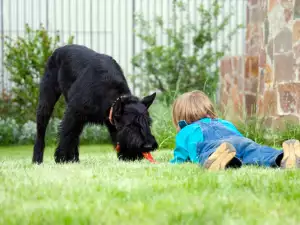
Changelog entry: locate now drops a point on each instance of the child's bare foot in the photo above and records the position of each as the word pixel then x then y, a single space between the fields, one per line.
pixel 221 157
pixel 291 154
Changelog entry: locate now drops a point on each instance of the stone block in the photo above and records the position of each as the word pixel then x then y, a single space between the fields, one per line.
pixel 251 66
pixel 270 49
pixel 283 41
pixel 272 4
pixel 263 4
pixel 297 9
pixel 247 14
pixel 270 102
pixel 261 87
pixel 262 58
pixel 268 74
pixel 224 98
pixel 250 103
pixel 237 66
pixel 227 83
pixel 266 31
pixel 277 20
pixel 252 2
pixel 284 67
pixel 296 50
pixel 280 122
pixel 226 66
pixel 260 106
pixel 251 85
pixel 289 95
pixel 241 83
pixel 257 15
pixel 296 31
pixel 288 13
pixel 252 30
pixel 287 4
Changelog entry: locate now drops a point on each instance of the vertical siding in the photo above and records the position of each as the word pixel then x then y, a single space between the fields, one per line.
pixel 105 25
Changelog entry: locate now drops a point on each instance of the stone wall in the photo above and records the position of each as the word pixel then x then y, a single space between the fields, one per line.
pixel 265 81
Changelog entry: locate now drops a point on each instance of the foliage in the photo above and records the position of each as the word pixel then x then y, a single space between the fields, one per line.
pixel 162 126
pixel 12 133
pixel 25 60
pixel 7 107
pixel 188 62
pixel 9 131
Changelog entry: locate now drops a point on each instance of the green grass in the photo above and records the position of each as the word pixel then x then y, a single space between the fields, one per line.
pixel 102 190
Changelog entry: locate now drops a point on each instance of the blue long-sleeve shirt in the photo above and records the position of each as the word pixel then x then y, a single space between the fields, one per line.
pixel 188 137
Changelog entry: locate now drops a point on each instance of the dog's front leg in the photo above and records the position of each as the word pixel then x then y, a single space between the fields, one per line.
pixel 70 130
pixel 112 132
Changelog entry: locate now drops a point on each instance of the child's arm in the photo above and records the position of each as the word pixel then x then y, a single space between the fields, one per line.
pixel 186 144
pixel 195 137
pixel 180 155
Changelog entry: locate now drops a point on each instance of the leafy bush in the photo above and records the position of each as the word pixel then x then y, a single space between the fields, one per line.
pixel 94 134
pixel 188 62
pixel 9 131
pixel 6 106
pixel 27 133
pixel 25 59
pixel 12 133
pixel 162 126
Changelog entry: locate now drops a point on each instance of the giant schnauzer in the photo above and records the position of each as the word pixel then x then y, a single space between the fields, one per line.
pixel 95 91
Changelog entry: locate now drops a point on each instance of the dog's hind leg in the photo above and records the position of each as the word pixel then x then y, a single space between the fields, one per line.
pixel 70 130
pixel 49 94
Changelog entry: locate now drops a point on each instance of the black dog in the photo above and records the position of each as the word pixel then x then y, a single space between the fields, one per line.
pixel 95 91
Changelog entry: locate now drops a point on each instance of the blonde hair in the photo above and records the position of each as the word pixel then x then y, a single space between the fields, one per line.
pixel 192 106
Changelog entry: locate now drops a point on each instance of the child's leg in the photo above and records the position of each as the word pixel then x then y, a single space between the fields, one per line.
pixel 291 154
pixel 252 153
pixel 218 155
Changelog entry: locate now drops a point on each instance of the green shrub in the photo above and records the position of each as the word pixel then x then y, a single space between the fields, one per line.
pixel 95 134
pixel 188 62
pixel 12 133
pixel 254 129
pixel 25 58
pixel 7 107
pixel 162 126
pixel 9 131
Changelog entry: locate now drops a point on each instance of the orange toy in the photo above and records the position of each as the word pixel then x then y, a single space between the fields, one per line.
pixel 147 155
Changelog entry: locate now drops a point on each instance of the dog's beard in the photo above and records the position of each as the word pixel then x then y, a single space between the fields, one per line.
pixel 130 140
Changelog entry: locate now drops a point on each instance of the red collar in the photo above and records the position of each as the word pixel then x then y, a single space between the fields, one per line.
pixel 110 116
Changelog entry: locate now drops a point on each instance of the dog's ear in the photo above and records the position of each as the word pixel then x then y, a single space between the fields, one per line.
pixel 118 109
pixel 148 100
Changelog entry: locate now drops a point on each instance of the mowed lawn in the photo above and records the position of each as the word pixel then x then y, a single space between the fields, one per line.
pixel 102 190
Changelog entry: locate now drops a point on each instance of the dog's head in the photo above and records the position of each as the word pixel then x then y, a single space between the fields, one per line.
pixel 131 117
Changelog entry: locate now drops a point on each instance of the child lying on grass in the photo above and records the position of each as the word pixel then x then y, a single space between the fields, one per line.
pixel 216 144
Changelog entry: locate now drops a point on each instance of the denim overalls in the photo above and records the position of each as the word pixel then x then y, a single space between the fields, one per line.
pixel 248 151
